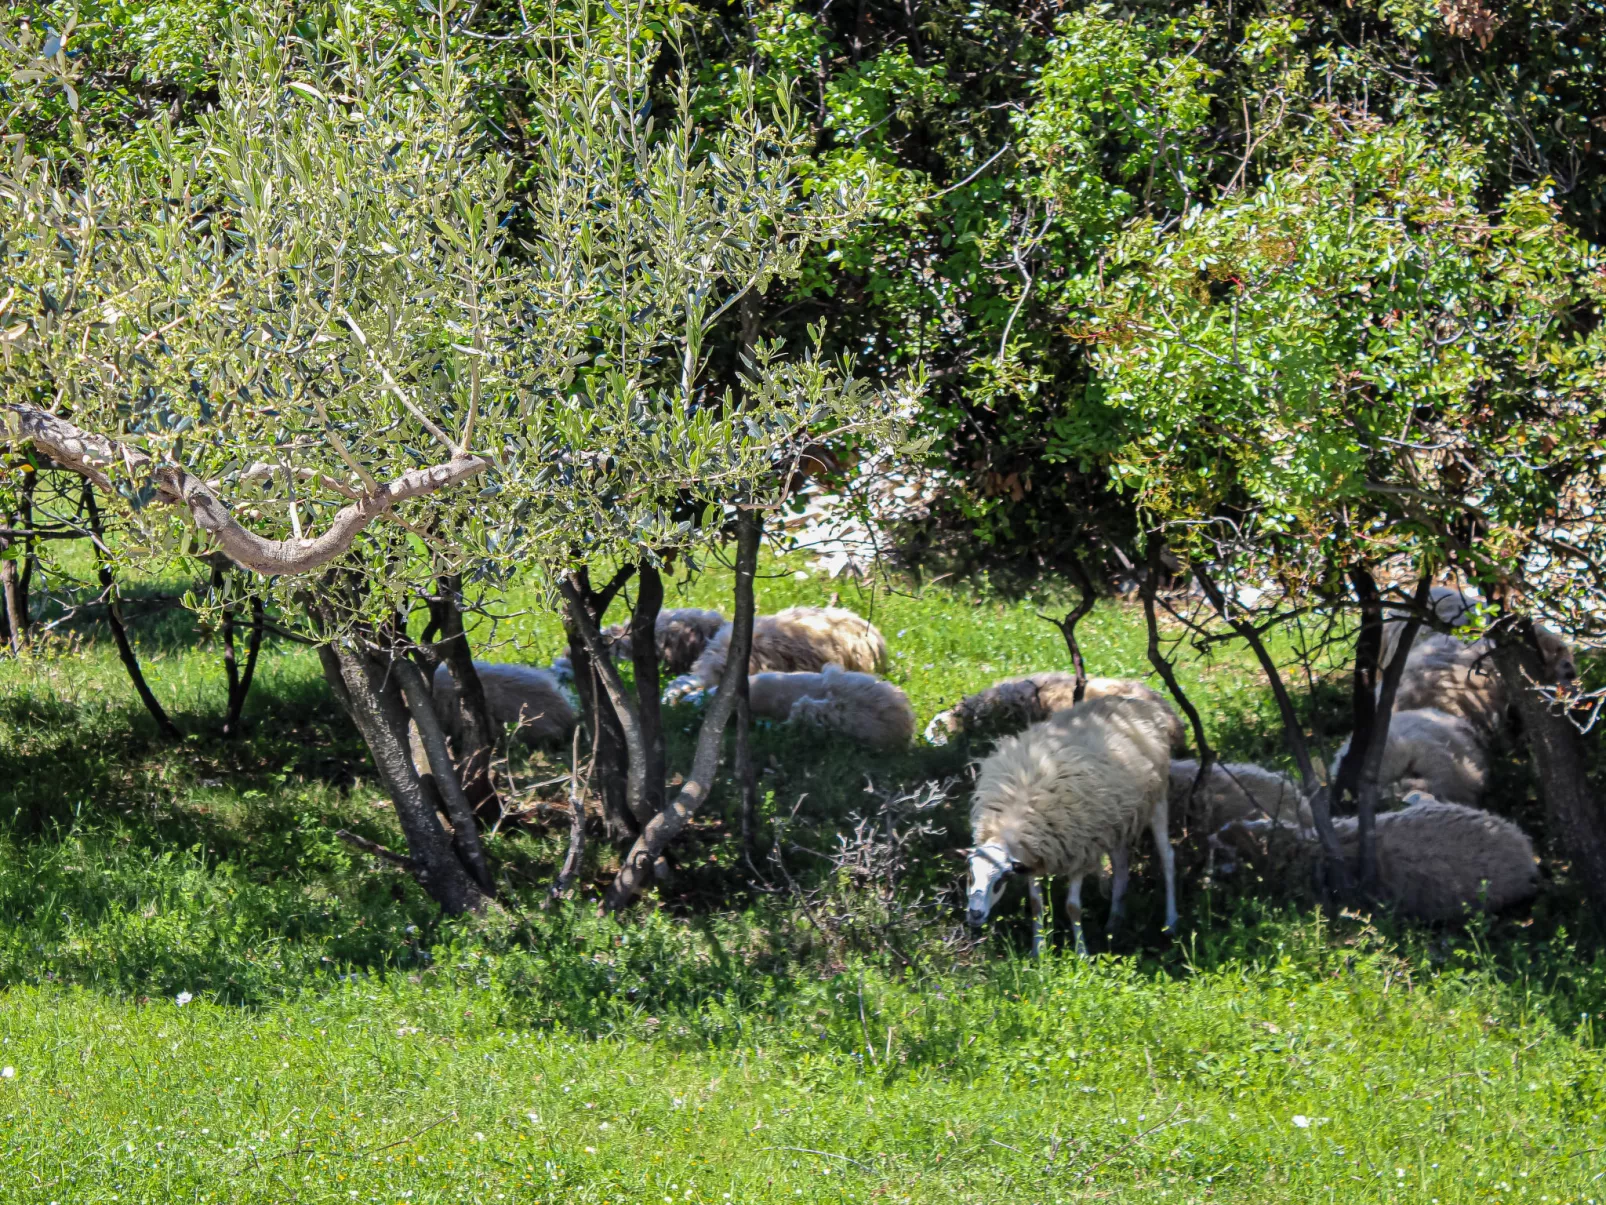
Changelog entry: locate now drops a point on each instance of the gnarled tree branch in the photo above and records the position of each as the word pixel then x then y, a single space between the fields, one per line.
pixel 91 456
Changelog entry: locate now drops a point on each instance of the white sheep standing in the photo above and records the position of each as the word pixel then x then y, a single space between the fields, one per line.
pixel 681 634
pixel 796 639
pixel 1433 751
pixel 1435 860
pixel 862 706
pixel 1069 791
pixel 1013 703
pixel 521 696
pixel 1233 791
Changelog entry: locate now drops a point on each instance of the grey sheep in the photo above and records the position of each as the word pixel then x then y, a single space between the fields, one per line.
pixel 862 706
pixel 1435 861
pixel 1233 791
pixel 681 634
pixel 522 697
pixel 1432 751
pixel 1069 791
pixel 1014 703
pixel 796 639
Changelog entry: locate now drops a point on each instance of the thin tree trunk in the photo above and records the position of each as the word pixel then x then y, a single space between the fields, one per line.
pixel 114 620
pixel 1162 666
pixel 16 604
pixel 1561 762
pixel 1293 732
pixel 637 870
pixel 475 726
pixel 574 859
pixel 465 827
pixel 24 564
pixel 624 707
pixel 645 668
pixel 1067 626
pixel 608 762
pixel 238 680
pixel 1370 760
pixel 362 680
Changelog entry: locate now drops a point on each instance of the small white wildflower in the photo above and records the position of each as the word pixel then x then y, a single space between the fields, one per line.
pixel 1302 1121
pixel 535 1118
pixel 8 1073
pixel 183 998
pixel 478 1137
pixel 802 575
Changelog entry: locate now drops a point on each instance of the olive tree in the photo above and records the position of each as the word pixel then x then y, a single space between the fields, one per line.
pixel 328 335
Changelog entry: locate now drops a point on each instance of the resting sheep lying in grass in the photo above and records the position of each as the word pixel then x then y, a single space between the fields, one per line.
pixel 1453 676
pixel 1059 797
pixel 1233 791
pixel 1432 751
pixel 521 696
pixel 862 706
pixel 682 633
pixel 796 639
pixel 1013 704
pixel 1435 860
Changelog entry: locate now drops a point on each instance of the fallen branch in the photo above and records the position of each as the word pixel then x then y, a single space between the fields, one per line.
pixel 378 850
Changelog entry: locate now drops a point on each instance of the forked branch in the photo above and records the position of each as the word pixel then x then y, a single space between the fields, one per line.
pixel 93 457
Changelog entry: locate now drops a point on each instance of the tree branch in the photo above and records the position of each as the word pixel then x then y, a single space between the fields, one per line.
pixel 92 456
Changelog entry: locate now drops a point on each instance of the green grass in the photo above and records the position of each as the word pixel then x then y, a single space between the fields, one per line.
pixel 344 1043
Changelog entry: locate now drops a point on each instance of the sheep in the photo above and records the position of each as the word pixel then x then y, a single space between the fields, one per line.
pixel 1010 705
pixel 1451 675
pixel 798 638
pixel 1233 791
pixel 520 695
pixel 681 634
pixel 1435 860
pixel 1071 789
pixel 1433 751
pixel 1453 605
pixel 867 708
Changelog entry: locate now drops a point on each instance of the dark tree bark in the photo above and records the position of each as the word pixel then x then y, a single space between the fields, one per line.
pixel 611 762
pixel 620 762
pixel 362 678
pixel 114 620
pixel 645 668
pixel 1560 757
pixel 655 838
pixel 476 728
pixel 1163 667
pixel 1067 626
pixel 238 680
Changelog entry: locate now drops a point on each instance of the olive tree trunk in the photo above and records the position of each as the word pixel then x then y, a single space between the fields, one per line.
pixel 365 680
pixel 637 870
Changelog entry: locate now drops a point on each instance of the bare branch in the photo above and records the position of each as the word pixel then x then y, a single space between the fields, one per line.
pixel 92 456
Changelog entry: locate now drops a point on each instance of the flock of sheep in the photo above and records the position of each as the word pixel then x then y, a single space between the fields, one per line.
pixel 1072 784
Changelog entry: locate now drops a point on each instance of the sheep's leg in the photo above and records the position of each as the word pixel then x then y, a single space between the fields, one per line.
pixel 1159 826
pixel 1035 893
pixel 1073 906
pixel 1120 870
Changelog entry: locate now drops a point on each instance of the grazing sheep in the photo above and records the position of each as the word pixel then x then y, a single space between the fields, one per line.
pixel 1435 860
pixel 798 638
pixel 867 708
pixel 519 695
pixel 1012 704
pixel 1233 791
pixel 1433 751
pixel 681 633
pixel 1063 794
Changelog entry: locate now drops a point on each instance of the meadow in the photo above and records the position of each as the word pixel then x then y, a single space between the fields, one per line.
pixel 209 997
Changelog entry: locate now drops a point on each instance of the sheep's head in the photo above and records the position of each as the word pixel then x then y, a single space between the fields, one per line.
pixel 1560 663
pixel 944 725
pixel 990 868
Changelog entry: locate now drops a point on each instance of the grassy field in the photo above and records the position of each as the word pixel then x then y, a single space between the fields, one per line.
pixel 208 997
